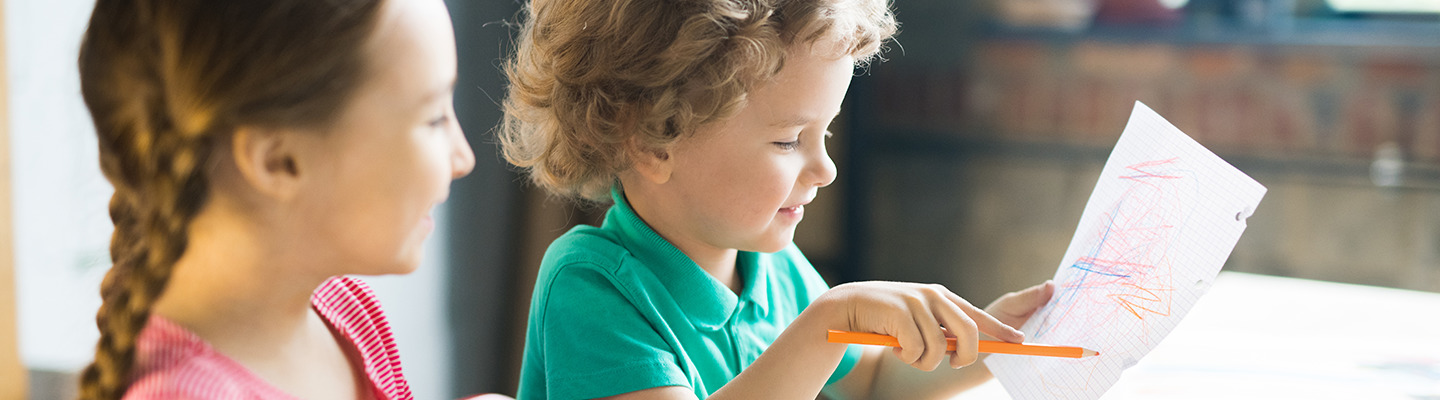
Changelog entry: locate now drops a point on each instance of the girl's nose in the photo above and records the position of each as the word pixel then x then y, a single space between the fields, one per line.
pixel 462 159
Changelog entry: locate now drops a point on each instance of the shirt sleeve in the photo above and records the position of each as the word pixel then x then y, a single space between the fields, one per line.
pixel 598 343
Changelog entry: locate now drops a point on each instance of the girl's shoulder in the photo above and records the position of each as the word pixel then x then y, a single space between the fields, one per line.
pixel 173 363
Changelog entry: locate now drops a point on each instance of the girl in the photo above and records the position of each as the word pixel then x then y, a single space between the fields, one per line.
pixel 704 122
pixel 259 149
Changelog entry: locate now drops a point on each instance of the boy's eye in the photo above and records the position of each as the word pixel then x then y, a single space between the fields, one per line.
pixel 790 145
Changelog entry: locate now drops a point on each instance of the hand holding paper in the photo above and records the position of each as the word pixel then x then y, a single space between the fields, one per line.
pixel 1015 308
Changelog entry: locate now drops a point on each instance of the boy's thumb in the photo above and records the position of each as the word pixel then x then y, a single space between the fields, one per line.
pixel 1040 294
pixel 1025 301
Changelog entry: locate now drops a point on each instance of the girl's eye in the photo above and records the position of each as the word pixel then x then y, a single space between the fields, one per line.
pixel 790 145
pixel 441 121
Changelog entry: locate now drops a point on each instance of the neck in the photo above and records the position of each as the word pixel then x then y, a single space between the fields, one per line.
pixel 718 262
pixel 236 291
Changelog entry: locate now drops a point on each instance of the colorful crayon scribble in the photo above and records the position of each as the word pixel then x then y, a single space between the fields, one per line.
pixel 1124 279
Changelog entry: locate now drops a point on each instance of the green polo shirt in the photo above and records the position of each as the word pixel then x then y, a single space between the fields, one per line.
pixel 618 309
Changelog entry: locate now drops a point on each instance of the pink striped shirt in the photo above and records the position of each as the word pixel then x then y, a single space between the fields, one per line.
pixel 173 363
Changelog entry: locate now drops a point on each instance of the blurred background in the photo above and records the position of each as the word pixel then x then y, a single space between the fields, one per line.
pixel 965 159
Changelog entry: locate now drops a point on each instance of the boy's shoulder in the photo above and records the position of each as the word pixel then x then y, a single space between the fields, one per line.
pixel 594 256
pixel 587 267
pixel 586 245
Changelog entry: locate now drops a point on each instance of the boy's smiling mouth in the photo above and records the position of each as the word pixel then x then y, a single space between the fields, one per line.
pixel 796 211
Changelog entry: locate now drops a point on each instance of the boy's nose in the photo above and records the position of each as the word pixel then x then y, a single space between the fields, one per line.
pixel 823 168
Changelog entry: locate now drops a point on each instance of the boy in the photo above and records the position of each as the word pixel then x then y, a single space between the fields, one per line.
pixel 704 122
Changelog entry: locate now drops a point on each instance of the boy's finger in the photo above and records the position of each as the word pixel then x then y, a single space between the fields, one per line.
pixel 912 345
pixel 987 323
pixel 933 336
pixel 966 338
pixel 1024 302
pixel 1043 294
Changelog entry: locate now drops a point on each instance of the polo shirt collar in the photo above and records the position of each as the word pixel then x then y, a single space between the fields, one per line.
pixel 707 302
pixel 753 268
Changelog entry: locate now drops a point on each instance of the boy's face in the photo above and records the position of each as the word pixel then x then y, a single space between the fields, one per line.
pixel 743 183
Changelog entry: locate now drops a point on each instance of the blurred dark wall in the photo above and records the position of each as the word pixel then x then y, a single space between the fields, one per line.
pixel 483 207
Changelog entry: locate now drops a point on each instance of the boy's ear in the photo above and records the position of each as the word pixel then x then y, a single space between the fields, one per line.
pixel 265 159
pixel 655 165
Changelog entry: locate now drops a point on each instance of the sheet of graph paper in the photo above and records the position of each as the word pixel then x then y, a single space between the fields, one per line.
pixel 1163 218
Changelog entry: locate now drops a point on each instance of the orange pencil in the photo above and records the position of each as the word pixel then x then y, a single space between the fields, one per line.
pixel 986 346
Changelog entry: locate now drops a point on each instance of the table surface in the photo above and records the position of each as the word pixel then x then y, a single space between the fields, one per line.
pixel 1264 337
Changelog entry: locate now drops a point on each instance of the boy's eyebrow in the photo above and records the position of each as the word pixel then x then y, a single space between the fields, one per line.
pixel 797 120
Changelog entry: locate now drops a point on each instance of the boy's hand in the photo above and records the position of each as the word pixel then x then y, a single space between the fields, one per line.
pixel 1015 308
pixel 915 314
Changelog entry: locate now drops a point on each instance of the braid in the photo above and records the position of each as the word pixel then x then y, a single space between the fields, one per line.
pixel 158 190
pixel 146 243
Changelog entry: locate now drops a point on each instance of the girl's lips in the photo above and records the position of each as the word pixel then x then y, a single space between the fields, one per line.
pixel 428 222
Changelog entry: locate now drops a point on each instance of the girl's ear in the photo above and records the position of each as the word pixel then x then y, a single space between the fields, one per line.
pixel 265 159
pixel 655 165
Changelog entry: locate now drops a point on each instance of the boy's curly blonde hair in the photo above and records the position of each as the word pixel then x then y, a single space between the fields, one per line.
pixel 594 82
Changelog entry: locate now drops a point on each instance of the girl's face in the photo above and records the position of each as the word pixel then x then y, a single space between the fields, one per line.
pixel 743 183
pixel 389 159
